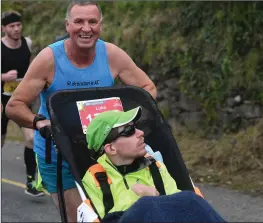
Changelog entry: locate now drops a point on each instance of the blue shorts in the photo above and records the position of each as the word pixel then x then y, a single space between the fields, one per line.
pixel 48 173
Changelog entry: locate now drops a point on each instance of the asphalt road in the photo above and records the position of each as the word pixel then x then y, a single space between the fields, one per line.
pixel 19 207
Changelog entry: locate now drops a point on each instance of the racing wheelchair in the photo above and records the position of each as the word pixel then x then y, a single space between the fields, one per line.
pixel 67 134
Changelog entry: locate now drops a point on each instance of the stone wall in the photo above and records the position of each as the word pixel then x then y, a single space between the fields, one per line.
pixel 180 110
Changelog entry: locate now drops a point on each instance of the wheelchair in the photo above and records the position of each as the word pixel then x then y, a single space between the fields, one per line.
pixel 71 145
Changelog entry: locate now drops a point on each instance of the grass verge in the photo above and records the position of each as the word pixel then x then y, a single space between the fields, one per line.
pixel 234 161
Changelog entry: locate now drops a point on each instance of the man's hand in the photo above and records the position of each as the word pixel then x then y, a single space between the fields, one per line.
pixel 43 123
pixel 9 76
pixel 143 190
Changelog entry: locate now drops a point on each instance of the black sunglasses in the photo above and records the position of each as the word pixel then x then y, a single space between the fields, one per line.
pixel 128 131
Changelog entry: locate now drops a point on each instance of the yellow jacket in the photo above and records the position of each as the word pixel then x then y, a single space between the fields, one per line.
pixel 123 196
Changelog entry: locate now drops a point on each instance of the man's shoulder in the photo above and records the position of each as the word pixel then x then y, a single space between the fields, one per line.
pixel 44 59
pixel 28 42
pixel 28 39
pixel 47 53
pixel 59 43
pixel 113 52
pixel 111 48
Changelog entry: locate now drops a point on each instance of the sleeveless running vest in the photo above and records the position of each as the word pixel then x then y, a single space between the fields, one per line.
pixel 67 76
pixel 14 59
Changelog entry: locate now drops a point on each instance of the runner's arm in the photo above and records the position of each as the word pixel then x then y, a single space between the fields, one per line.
pixel 122 66
pixel 39 73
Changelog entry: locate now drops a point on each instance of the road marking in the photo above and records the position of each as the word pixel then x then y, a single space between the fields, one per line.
pixel 17 184
pixel 13 183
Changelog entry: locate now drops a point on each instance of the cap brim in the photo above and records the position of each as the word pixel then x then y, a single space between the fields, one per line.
pixel 129 116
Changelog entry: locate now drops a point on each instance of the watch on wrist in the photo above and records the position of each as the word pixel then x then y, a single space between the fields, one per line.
pixel 37 118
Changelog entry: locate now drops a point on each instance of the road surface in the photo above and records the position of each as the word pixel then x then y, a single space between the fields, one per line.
pixel 18 207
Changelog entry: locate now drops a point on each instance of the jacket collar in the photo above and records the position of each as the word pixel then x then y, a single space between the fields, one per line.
pixel 138 164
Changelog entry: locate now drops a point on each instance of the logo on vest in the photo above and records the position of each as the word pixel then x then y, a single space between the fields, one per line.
pixel 83 83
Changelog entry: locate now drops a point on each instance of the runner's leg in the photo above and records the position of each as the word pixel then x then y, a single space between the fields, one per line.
pixel 30 163
pixel 29 155
pixel 29 158
pixel 72 201
pixel 48 173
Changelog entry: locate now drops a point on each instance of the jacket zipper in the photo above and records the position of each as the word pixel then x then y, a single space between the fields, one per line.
pixel 123 176
pixel 125 182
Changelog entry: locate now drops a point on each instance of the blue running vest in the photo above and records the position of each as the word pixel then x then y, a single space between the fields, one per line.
pixel 67 76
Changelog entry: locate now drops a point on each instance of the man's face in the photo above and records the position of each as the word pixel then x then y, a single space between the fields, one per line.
pixel 130 147
pixel 13 30
pixel 84 25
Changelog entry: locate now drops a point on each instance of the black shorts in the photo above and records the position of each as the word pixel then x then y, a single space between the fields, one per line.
pixel 4 119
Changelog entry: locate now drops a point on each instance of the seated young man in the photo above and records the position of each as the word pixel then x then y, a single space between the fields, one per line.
pixel 121 150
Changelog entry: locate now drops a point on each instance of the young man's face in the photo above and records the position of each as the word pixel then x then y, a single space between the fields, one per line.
pixel 84 25
pixel 13 30
pixel 130 147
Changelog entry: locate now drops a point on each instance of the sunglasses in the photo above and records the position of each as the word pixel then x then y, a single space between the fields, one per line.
pixel 128 131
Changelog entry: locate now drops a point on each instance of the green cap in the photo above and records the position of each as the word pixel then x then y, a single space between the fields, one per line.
pixel 100 127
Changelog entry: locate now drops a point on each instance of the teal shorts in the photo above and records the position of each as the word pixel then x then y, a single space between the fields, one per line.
pixel 48 176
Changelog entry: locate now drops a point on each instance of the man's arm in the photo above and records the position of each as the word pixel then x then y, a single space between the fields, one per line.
pixel 122 66
pixel 39 73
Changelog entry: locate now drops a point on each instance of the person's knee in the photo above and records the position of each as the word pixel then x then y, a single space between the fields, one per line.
pixel 29 137
pixel 29 143
pixel 72 202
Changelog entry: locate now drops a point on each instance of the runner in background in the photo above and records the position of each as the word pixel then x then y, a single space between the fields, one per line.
pixel 15 60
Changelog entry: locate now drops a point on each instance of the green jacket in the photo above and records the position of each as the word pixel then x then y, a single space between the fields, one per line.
pixel 123 196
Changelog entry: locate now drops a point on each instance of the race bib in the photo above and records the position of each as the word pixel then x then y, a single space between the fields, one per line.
pixel 10 86
pixel 90 108
pixel 85 213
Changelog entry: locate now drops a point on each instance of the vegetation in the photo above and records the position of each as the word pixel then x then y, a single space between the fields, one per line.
pixel 234 161
pixel 214 48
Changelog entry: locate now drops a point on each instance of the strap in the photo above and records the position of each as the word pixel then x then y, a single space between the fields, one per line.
pixel 45 132
pixel 48 149
pixel 157 178
pixel 105 187
pixel 103 181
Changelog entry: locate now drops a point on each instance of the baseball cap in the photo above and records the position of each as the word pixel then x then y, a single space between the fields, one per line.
pixel 100 127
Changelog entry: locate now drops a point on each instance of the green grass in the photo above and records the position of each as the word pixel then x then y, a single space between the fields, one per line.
pixel 234 161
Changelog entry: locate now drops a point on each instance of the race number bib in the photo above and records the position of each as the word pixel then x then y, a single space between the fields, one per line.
pixel 90 108
pixel 10 86
pixel 85 213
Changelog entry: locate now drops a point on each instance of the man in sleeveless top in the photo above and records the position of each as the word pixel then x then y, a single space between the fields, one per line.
pixel 16 53
pixel 80 61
